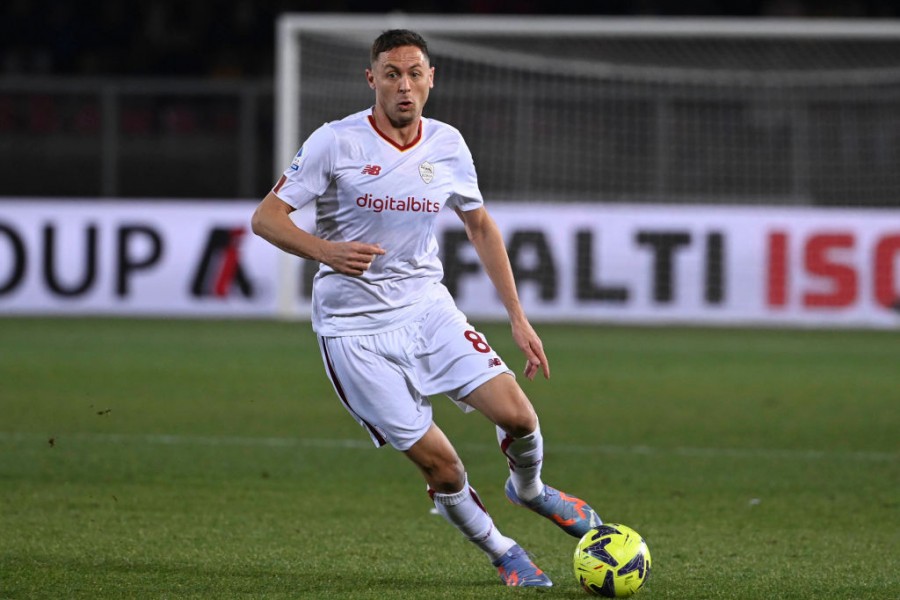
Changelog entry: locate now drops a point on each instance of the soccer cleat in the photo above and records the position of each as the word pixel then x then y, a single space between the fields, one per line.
pixel 572 514
pixel 516 569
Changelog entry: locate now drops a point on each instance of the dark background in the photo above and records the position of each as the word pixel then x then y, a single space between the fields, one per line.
pixel 174 99
pixel 235 39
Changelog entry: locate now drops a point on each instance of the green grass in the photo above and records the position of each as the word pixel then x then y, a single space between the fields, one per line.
pixel 211 459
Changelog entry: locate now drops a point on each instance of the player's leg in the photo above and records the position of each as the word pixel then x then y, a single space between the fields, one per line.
pixel 438 461
pixel 504 403
pixel 461 364
pixel 518 432
pixel 368 378
pixel 460 505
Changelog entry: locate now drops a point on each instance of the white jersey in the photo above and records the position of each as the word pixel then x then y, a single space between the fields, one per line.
pixel 368 189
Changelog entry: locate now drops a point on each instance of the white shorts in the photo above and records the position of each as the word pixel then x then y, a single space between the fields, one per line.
pixel 384 379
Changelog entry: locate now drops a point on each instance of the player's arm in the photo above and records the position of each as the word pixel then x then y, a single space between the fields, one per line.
pixel 272 222
pixel 488 241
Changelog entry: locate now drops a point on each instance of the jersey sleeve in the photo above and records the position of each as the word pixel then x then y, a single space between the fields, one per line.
pixel 310 173
pixel 466 195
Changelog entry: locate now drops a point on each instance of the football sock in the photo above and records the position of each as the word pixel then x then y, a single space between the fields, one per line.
pixel 525 456
pixel 464 511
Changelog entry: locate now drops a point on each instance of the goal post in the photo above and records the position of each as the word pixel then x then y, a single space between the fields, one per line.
pixel 608 111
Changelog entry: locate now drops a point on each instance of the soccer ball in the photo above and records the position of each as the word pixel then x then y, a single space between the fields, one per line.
pixel 612 560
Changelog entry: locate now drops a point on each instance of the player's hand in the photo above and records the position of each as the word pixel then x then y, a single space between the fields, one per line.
pixel 530 344
pixel 351 258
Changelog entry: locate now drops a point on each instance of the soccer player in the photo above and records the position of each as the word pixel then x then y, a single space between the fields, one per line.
pixel 389 332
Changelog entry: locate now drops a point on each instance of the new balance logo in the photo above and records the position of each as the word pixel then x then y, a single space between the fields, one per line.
pixel 371 170
pixel 494 362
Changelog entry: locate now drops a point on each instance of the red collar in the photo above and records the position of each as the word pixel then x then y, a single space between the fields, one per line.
pixel 392 142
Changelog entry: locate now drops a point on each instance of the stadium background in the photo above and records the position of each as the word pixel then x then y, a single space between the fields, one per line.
pixel 191 86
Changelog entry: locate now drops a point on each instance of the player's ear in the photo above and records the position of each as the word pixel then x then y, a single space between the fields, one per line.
pixel 431 77
pixel 370 77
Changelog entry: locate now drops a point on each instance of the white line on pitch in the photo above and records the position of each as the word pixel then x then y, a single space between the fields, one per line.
pixel 287 442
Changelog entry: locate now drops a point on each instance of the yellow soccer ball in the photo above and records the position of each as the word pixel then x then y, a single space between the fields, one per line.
pixel 612 560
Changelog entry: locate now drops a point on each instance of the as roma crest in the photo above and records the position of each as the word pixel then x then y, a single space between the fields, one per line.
pixel 426 171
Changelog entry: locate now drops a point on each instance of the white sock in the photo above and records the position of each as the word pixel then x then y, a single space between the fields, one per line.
pixel 465 511
pixel 525 456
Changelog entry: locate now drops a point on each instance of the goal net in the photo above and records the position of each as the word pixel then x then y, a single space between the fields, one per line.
pixel 631 110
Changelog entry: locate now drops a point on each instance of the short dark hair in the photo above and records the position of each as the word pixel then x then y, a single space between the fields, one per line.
pixel 394 38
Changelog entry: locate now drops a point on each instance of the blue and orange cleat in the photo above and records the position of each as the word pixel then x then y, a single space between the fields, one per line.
pixel 572 514
pixel 516 569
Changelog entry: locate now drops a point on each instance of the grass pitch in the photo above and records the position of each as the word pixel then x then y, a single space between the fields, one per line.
pixel 211 459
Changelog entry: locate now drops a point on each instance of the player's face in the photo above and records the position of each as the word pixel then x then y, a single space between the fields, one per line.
pixel 401 79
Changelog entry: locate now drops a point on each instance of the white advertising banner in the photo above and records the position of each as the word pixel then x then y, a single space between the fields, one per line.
pixel 134 258
pixel 573 262
pixel 691 264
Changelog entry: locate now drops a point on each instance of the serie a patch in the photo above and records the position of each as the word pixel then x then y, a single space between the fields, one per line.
pixel 295 164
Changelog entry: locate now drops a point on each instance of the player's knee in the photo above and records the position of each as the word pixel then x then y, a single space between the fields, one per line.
pixel 447 477
pixel 507 406
pixel 521 428
pixel 520 421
